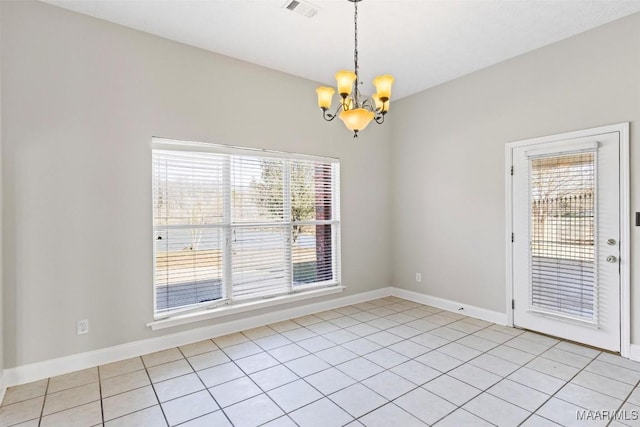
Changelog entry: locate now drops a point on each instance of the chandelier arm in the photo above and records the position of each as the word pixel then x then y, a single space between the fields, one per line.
pixel 368 105
pixel 327 117
pixel 379 118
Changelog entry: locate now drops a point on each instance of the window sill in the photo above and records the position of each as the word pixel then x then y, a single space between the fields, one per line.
pixel 183 319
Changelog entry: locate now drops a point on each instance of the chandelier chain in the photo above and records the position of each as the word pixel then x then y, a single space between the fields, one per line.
pixel 355 51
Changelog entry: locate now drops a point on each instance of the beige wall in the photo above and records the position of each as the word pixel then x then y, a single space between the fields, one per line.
pixel 1 202
pixel 81 99
pixel 448 157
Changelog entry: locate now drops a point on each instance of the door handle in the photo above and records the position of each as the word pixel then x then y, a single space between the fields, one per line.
pixel 612 259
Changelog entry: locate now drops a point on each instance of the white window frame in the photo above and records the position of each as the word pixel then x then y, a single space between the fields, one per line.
pixel 227 306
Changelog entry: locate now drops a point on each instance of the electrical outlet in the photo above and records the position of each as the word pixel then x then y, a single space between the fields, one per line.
pixel 418 277
pixel 83 326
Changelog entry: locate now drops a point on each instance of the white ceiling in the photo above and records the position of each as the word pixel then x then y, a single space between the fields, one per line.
pixel 422 43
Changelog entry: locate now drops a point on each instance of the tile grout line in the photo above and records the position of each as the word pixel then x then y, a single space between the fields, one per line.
pixel 334 344
pixel 332 366
pixel 146 369
pixel 540 355
pixel 323 396
pixel 626 399
pixel 455 319
pixel 201 382
pixel 56 392
pixel 534 412
pixel 562 387
pixel 389 369
pixel 46 392
pixel 464 363
pixel 251 379
pixel 482 353
pixel 100 394
pixel 386 347
pixel 388 401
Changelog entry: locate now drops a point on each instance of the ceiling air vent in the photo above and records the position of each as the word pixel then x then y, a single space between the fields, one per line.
pixel 301 7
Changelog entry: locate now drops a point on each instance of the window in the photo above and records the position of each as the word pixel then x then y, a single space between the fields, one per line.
pixel 236 225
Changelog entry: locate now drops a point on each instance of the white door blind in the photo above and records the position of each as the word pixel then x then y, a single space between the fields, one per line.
pixel 562 224
pixel 234 225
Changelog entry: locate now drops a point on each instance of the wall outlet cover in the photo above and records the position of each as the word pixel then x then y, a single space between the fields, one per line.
pixel 83 327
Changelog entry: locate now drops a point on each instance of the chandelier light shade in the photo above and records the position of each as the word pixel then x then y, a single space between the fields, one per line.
pixel 355 110
pixel 324 97
pixel 356 119
pixel 383 87
pixel 345 80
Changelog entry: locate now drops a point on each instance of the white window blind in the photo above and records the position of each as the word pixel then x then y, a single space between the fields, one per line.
pixel 232 225
pixel 312 242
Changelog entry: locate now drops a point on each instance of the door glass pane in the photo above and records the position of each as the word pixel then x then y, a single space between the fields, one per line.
pixel 562 224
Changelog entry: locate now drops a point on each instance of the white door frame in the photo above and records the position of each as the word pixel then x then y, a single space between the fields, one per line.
pixel 625 221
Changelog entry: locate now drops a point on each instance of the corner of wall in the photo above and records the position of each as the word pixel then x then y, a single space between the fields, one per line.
pixel 453 306
pixel 2 384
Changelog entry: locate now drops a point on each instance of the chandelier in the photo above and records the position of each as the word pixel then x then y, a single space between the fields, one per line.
pixel 354 109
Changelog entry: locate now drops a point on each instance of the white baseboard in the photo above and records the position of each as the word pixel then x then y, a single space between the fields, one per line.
pixel 634 352
pixel 456 307
pixel 3 385
pixel 50 368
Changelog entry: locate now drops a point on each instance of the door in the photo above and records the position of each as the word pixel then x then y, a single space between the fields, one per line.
pixel 566 234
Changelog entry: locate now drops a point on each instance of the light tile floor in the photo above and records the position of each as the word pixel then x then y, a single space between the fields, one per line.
pixel 387 362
